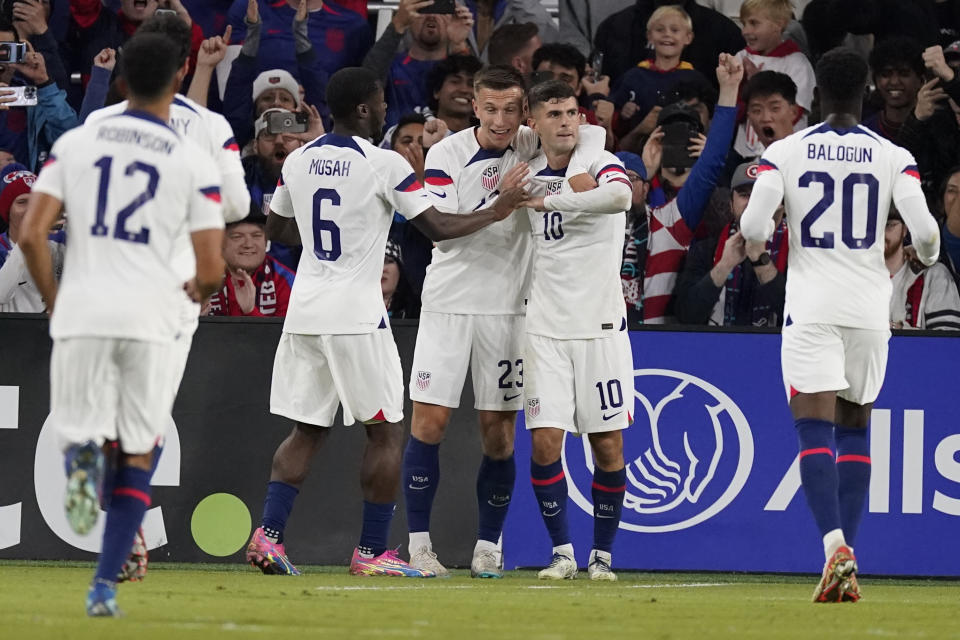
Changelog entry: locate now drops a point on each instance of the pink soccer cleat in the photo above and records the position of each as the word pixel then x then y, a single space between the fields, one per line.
pixel 269 557
pixel 387 563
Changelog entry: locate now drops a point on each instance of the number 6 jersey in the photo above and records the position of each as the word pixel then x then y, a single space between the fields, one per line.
pixel 837 186
pixel 343 192
pixel 130 186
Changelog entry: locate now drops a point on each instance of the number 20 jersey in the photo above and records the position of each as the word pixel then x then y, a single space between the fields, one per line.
pixel 343 192
pixel 130 186
pixel 838 185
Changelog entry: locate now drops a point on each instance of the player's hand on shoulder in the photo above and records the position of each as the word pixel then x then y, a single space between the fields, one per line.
pixel 515 177
pixel 508 201
pixel 536 203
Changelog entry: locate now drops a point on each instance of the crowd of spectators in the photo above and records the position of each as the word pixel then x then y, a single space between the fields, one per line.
pixel 643 70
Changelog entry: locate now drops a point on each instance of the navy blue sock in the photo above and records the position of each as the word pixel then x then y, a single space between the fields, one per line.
pixel 550 487
pixel 157 451
pixel 421 476
pixel 111 467
pixel 818 472
pixel 131 497
pixel 853 471
pixel 276 509
pixel 608 489
pixel 495 481
pixel 376 527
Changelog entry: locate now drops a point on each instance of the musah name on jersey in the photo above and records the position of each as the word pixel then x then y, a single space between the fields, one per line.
pixel 490 177
pixel 329 167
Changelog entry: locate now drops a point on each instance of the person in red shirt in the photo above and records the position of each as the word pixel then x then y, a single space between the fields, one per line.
pixel 255 284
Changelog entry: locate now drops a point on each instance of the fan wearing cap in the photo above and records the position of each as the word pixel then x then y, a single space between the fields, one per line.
pixel 727 281
pixel 18 293
pixel 255 284
pixel 675 212
pixel 923 297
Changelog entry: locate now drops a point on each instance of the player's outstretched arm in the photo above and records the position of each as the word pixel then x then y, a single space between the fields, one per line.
pixel 438 225
pixel 283 230
pixel 42 212
pixel 610 197
pixel 756 223
pixel 207 247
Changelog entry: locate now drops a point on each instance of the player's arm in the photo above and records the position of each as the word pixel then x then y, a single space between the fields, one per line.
pixel 207 247
pixel 756 223
pixel 281 223
pixel 439 225
pixel 593 140
pixel 912 205
pixel 42 212
pixel 614 193
pixel 236 197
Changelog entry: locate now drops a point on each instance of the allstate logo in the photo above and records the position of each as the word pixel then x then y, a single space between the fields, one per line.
pixel 688 453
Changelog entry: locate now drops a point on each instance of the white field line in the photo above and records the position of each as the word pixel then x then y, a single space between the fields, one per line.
pixel 441 587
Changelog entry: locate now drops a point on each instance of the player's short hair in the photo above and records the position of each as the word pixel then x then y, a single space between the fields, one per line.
pixel 408 118
pixel 547 91
pixel 565 55
pixel 841 75
pixel 669 9
pixel 172 27
pixel 348 88
pixel 509 40
pixel 770 83
pixel 449 66
pixel 149 65
pixel 777 10
pixel 498 78
pixel 896 52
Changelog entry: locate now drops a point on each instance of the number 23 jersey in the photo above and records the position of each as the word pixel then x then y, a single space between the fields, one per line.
pixel 838 185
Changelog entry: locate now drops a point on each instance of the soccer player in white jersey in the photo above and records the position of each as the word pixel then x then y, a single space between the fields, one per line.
pixel 837 181
pixel 579 368
pixel 212 132
pixel 337 348
pixel 129 184
pixel 472 317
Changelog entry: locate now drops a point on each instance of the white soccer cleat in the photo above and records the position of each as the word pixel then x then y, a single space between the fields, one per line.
pixel 486 563
pixel 425 559
pixel 599 567
pixel 561 568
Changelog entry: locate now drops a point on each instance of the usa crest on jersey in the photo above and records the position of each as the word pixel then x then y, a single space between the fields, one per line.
pixel 554 187
pixel 423 380
pixel 490 177
pixel 533 407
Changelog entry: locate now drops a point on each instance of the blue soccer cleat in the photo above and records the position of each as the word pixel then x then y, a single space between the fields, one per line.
pixel 102 600
pixel 84 466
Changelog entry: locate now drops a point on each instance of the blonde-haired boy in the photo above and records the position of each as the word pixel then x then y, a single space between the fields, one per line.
pixel 649 86
pixel 764 22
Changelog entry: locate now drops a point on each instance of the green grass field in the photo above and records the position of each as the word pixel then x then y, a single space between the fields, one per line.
pixel 45 600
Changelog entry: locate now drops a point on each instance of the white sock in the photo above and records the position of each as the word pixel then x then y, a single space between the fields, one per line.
pixel 565 550
pixel 485 545
pixel 606 556
pixel 833 541
pixel 420 539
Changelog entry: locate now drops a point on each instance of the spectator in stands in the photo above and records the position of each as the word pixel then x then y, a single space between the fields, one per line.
pixel 727 281
pixel 451 91
pixel 579 20
pixel 897 65
pixel 6 159
pixel 254 284
pixel 950 210
pixel 29 20
pixel 650 85
pixel 617 37
pixel 764 22
pixel 635 240
pixel 676 212
pixel 513 45
pixel 699 95
pixel 769 98
pixel 98 88
pixel 340 37
pixel 397 295
pixel 567 64
pixel 490 15
pixel 923 297
pixel 18 293
pixel 29 132
pixel 276 86
pixel 211 15
pixel 931 132
pixel 404 73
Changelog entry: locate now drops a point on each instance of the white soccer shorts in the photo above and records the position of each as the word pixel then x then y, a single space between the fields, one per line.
pixel 581 386
pixel 314 374
pixel 492 346
pixel 821 357
pixel 112 388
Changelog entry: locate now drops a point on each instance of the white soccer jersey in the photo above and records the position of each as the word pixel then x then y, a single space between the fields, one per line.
pixel 130 186
pixel 487 272
pixel 343 192
pixel 576 290
pixel 837 186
